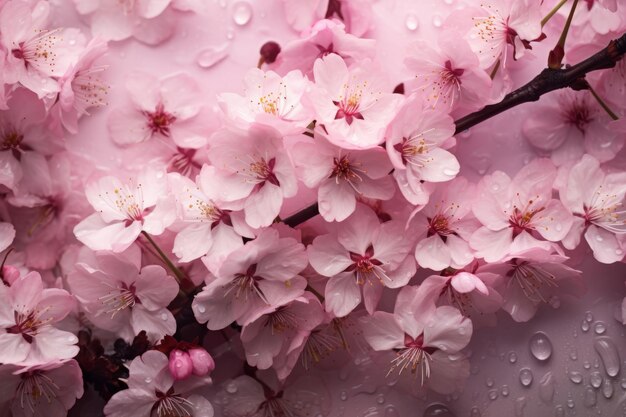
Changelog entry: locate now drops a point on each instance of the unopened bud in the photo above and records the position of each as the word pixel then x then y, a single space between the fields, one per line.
pixel 10 274
pixel 180 364
pixel 203 363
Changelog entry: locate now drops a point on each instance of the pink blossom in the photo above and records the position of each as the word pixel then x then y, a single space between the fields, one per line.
pixel 252 167
pixel 270 100
pixel 81 87
pixel 213 229
pixel 341 176
pixel 444 227
pixel 352 104
pixel 448 77
pixel 517 214
pixel 149 21
pixel 596 199
pixel 428 341
pixel 504 24
pixel 124 210
pixel 202 362
pixel 569 124
pixel 28 313
pixel 532 277
pixel 180 364
pixel 163 109
pixel 120 296
pixel 258 277
pixel 279 331
pixel 361 254
pixel 324 37
pixel 356 14
pixel 46 390
pixel 415 141
pixel 152 391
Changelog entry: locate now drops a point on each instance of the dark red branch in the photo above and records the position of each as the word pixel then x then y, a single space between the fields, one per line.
pixel 548 80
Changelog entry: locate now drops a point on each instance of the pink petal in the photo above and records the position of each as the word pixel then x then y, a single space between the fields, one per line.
pixel 155 288
pixel 382 331
pixel 450 331
pixel 327 256
pixel 342 294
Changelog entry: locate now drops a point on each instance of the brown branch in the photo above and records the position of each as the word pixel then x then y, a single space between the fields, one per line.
pixel 548 80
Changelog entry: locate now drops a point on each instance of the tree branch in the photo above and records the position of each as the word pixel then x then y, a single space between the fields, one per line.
pixel 548 80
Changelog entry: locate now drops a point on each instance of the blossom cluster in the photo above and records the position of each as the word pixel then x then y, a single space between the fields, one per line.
pixel 122 278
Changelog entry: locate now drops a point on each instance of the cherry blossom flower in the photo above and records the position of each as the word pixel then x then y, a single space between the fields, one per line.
pixel 152 392
pixel 270 100
pixel 448 77
pixel 444 227
pixel 361 255
pixel 120 296
pixel 352 104
pixel 516 213
pixel 164 109
pixel 253 167
pixel 49 390
pixel 427 341
pixel 28 314
pixel 415 140
pixel 597 200
pixel 501 23
pixel 324 37
pixel 341 176
pixel 532 277
pixel 148 21
pixel 356 14
pixel 570 124
pixel 213 229
pixel 260 276
pixel 81 87
pixel 124 210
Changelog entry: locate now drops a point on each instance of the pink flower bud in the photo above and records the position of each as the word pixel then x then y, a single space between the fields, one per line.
pixel 180 364
pixel 10 274
pixel 203 363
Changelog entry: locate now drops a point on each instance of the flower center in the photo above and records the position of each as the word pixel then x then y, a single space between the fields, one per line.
pixel 414 356
pixel 439 225
pixel 532 279
pixel 119 298
pixel 367 268
pixel 579 115
pixel 171 405
pixel 89 90
pixel 347 171
pixel 39 50
pixel 349 103
pixel 28 324
pixel 33 387
pixel 11 140
pixel 318 346
pixel 522 219
pixel 246 285
pixel 414 150
pixel 183 162
pixel 282 319
pixel 159 121
pixel 604 211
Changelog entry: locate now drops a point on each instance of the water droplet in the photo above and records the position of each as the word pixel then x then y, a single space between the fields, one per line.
pixel 380 399
pixel 504 390
pixel 540 346
pixel 492 394
pixel 231 388
pixel 164 316
pixel 559 411
pixel 573 355
pixel 619 251
pixel 555 302
pixel 595 379
pixel 148 380
pixel 343 395
pixel 242 13
pixel 495 187
pixel 489 382
pixel 512 357
pixel 391 412
pixel 586 365
pixel 599 238
pixel 546 388
pixel 599 327
pixel 609 355
pixel 475 412
pixel 437 21
pixel 576 377
pixel 230 34
pixel 209 57
pixel 412 22
pixel 201 309
pixel 584 326
pixel 607 388
pixel 525 377
pixel 623 383
pixel 589 398
pixel 438 410
pixel 449 172
pixel 588 316
pixel 570 403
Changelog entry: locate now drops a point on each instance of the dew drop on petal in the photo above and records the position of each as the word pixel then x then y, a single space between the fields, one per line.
pixel 570 403
pixel 576 377
pixel 504 390
pixel 525 377
pixel 412 22
pixel 609 355
pixel 212 56
pixel 599 327
pixel 584 326
pixel 148 380
pixel 201 309
pixel 588 317
pixel 343 395
pixel 489 382
pixel 437 410
pixel 512 357
pixel 492 394
pixel 595 379
pixel 164 316
pixel 559 411
pixel 607 388
pixel 437 21
pixel 540 346
pixel 231 388
pixel 242 13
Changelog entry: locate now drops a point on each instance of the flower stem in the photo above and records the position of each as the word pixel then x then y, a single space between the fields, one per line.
pixel 183 281
pixel 555 59
pixel 602 103
pixel 552 12
pixel 316 293
pixel 495 69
